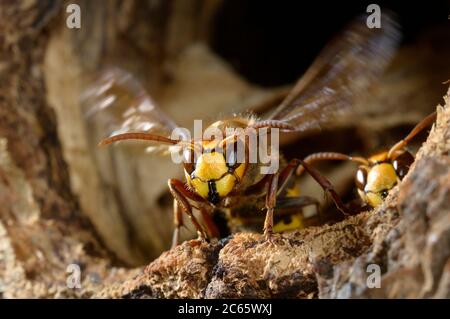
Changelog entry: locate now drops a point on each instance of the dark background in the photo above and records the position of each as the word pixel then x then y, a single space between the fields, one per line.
pixel 271 43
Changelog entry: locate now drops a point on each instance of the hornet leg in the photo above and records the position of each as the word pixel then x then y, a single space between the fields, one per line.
pixel 181 194
pixel 271 199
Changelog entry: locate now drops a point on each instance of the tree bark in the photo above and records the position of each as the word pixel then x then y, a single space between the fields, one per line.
pixel 42 230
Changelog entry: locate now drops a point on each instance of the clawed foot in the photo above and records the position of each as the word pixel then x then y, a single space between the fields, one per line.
pixel 268 236
pixel 201 237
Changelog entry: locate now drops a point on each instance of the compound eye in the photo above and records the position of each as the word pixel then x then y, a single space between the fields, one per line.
pixel 361 178
pixel 234 154
pixel 402 163
pixel 188 160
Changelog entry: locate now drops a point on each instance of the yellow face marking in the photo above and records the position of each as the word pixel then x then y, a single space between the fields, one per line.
pixel 211 169
pixel 200 187
pixel 295 223
pixel 373 199
pixel 225 185
pixel 210 166
pixel 212 178
pixel 380 178
pixel 240 170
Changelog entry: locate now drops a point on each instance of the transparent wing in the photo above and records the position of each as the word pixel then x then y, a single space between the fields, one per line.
pixel 115 102
pixel 327 94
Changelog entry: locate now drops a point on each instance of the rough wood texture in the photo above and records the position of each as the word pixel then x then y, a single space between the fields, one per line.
pixel 41 228
pixel 408 237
